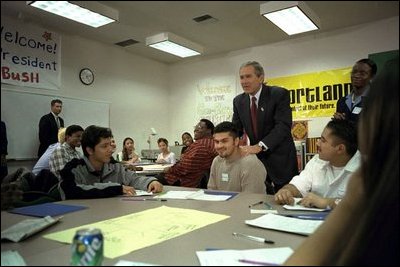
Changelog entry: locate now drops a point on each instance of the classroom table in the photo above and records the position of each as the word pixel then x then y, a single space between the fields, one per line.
pixel 37 250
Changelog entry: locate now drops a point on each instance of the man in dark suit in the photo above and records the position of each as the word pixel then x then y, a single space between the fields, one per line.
pixel 269 129
pixel 49 125
pixel 349 107
pixel 3 150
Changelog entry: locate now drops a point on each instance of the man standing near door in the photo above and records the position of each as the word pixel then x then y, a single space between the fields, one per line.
pixel 264 113
pixel 49 125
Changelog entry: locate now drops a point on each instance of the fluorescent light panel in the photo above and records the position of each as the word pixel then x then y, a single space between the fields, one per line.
pixel 292 17
pixel 174 44
pixel 74 12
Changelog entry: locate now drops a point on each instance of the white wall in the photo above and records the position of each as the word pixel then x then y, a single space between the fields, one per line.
pixel 137 88
pixel 337 49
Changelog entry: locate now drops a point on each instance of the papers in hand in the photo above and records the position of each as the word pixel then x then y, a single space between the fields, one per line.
pixel 286 224
pixel 300 207
pixel 140 193
pixel 26 228
pixel 197 195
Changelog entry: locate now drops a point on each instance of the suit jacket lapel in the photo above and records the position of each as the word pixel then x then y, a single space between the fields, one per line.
pixel 245 103
pixel 262 110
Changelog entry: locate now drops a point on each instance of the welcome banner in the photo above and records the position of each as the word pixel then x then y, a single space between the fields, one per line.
pixel 30 56
pixel 315 94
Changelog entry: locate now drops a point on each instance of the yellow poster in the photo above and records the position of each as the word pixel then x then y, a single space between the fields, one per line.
pixel 125 234
pixel 315 94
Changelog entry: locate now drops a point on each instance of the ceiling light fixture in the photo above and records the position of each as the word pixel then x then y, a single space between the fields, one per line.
pixel 90 13
pixel 173 44
pixel 292 17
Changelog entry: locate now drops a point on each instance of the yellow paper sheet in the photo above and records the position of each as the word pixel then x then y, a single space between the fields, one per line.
pixel 125 234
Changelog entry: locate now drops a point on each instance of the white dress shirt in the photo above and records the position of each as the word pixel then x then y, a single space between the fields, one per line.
pixel 318 177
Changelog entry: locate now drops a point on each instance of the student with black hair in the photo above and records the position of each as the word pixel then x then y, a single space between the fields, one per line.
pixel 95 176
pixel 231 170
pixel 323 181
pixel 67 150
pixel 349 107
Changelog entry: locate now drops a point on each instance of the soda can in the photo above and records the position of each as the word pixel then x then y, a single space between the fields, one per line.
pixel 87 248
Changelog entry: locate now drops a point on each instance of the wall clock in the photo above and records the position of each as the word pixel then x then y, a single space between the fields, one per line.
pixel 86 76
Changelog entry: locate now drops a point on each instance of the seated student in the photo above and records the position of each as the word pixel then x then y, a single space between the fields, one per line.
pixel 113 145
pixel 67 151
pixel 363 229
pixel 128 155
pixel 165 156
pixel 323 181
pixel 41 187
pixel 197 161
pixel 94 176
pixel 230 171
pixel 44 161
pixel 187 140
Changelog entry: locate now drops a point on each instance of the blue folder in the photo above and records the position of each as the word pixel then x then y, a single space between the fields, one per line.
pixel 47 209
pixel 309 216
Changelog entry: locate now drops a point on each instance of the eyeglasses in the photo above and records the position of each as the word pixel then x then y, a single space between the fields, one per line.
pixel 199 127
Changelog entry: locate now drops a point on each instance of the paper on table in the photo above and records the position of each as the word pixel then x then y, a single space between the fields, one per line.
pixel 133 263
pixel 231 257
pixel 26 228
pixel 286 224
pixel 263 211
pixel 196 195
pixel 175 194
pixel 11 258
pixel 300 207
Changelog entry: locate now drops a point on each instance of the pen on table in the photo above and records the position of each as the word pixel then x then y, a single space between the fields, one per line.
pixel 144 199
pixel 254 238
pixel 258 262
pixel 258 203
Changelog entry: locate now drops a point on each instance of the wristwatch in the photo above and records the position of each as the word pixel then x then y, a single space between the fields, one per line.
pixel 260 144
pixel 336 201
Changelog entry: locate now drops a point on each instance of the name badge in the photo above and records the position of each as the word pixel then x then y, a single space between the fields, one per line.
pixel 225 177
pixel 356 110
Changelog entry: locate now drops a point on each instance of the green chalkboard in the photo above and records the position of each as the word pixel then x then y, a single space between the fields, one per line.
pixel 381 58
